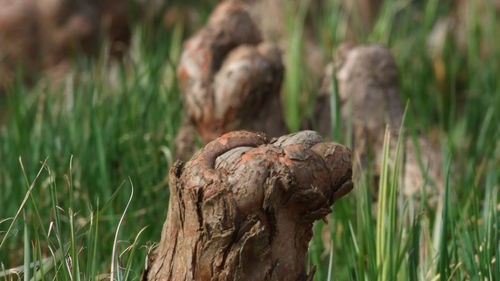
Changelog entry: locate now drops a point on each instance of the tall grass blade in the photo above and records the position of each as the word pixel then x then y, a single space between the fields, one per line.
pixel 114 257
pixel 22 204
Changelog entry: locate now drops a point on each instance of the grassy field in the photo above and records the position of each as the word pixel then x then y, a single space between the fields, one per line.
pixel 81 148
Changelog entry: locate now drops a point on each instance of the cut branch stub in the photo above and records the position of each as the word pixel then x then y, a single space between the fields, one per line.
pixel 229 79
pixel 243 208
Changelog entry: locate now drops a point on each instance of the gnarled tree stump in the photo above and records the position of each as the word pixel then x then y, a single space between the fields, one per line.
pixel 243 207
pixel 229 80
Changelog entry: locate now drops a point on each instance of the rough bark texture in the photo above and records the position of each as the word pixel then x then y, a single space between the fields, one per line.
pixel 243 207
pixel 369 94
pixel 229 79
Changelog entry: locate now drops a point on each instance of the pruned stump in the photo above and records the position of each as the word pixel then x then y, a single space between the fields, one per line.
pixel 229 80
pixel 243 207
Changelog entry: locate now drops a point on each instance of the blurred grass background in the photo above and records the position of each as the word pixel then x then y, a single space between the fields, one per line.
pixel 111 125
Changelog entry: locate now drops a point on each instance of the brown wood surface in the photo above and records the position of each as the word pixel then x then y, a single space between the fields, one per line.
pixel 243 207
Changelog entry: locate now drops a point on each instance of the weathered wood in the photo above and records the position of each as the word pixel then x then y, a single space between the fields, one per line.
pixel 243 207
pixel 229 80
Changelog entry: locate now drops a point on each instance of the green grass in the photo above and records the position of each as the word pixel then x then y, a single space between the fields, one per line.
pixel 109 128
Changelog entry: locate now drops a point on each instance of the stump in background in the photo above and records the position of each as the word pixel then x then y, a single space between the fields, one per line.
pixel 243 207
pixel 370 98
pixel 43 35
pixel 229 80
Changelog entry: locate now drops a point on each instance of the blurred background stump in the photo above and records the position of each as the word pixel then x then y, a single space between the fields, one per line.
pixel 370 99
pixel 44 35
pixel 229 80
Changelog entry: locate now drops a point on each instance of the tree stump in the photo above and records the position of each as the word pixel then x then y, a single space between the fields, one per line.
pixel 229 80
pixel 243 207
pixel 369 95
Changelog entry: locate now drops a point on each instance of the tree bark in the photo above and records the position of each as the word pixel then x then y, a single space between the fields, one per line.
pixel 243 207
pixel 229 80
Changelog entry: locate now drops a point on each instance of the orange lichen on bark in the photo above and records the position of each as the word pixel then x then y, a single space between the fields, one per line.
pixel 243 207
